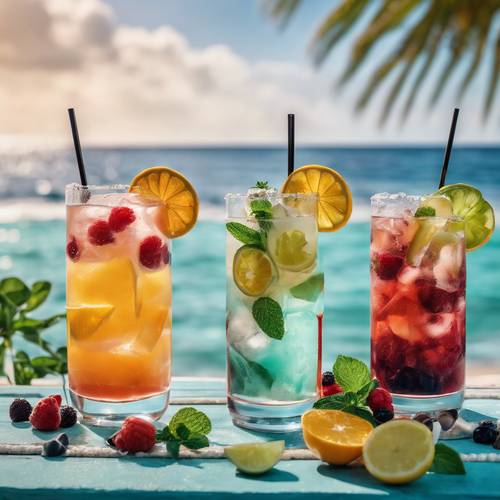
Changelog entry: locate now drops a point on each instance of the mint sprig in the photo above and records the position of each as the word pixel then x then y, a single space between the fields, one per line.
pixel 446 461
pixel 262 185
pixel 188 427
pixel 245 234
pixel 268 315
pixel 354 377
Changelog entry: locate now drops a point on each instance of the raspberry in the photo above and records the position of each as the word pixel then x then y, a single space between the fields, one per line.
pixel 99 233
pixel 152 252
pixel 330 390
pixel 387 265
pixel 46 416
pixel 327 379
pixel 380 399
pixel 437 300
pixel 72 249
pixel 20 410
pixel 57 397
pixel 136 434
pixel 68 416
pixel 120 218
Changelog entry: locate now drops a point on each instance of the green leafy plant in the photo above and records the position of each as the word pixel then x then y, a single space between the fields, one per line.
pixel 17 302
pixel 188 427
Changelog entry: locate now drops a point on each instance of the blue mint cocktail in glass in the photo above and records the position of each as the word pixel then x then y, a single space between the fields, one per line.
pixel 274 308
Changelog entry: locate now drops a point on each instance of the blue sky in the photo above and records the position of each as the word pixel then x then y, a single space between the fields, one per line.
pixel 199 72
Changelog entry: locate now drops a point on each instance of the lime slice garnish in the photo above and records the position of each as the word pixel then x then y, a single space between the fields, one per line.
pixel 290 250
pixel 255 458
pixel 479 216
pixel 252 270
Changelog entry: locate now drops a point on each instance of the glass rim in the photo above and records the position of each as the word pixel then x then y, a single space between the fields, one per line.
pixel 241 196
pixel 74 186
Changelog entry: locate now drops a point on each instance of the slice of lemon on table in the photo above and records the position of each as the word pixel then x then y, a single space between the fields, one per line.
pixel 334 195
pixel 334 436
pixel 252 270
pixel 478 214
pixel 255 458
pixel 399 451
pixel 178 197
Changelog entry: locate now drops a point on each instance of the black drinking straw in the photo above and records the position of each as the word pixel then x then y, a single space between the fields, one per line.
pixel 78 148
pixel 291 142
pixel 447 153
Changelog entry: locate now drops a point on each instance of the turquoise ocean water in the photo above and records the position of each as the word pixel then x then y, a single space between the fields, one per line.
pixel 32 235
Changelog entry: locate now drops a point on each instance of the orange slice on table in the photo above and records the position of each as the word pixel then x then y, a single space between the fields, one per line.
pixel 335 436
pixel 334 195
pixel 180 205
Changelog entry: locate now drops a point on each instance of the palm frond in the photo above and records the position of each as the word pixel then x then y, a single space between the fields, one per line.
pixel 387 19
pixel 337 24
pixel 493 84
pixel 282 10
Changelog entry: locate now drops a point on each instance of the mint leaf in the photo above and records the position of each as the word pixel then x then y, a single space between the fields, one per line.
pixel 364 392
pixel 362 412
pixel 195 421
pixel 173 448
pixel 425 212
pixel 262 209
pixel 446 461
pixel 261 372
pixel 337 401
pixel 244 234
pixel 310 289
pixel 269 316
pixel 262 185
pixel 182 431
pixel 196 441
pixel 350 373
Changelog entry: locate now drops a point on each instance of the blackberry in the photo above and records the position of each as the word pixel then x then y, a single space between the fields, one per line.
pixel 485 433
pixel 20 410
pixel 327 379
pixel 383 415
pixel 68 416
pixel 412 381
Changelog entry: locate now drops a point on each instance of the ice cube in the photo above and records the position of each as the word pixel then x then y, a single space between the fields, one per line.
pixel 244 333
pixel 439 325
pixel 447 271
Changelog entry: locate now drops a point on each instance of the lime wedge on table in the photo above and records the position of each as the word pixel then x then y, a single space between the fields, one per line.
pixel 255 458
pixel 478 214
pixel 252 270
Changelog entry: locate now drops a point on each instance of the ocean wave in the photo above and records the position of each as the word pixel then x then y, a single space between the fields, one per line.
pixel 35 209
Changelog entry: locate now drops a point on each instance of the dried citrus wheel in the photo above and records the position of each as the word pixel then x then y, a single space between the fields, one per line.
pixel 179 200
pixel 252 270
pixel 399 451
pixel 255 458
pixel 335 436
pixel 334 195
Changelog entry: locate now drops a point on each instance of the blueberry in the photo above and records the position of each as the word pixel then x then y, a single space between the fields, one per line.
pixel 412 381
pixel 425 419
pixel 63 439
pixel 485 434
pixel 383 415
pixel 53 448
pixel 327 379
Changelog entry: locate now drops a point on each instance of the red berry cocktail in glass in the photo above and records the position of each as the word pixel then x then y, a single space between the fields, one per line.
pixel 417 304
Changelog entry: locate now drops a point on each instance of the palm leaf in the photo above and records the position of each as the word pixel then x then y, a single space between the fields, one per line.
pixel 492 86
pixel 282 9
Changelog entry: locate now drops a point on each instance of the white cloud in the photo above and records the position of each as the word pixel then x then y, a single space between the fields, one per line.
pixel 132 85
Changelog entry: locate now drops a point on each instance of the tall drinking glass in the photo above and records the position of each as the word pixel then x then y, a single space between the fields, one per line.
pixel 417 305
pixel 118 300
pixel 274 309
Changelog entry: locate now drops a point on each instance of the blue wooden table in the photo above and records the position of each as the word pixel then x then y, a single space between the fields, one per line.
pixel 29 476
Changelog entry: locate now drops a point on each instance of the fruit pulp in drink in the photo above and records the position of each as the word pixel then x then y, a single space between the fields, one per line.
pixel 118 299
pixel 418 304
